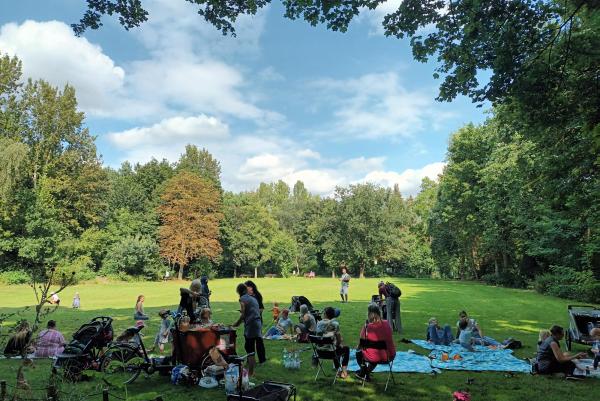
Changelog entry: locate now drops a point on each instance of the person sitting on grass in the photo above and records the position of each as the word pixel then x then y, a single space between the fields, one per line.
pixel 139 309
pixel 544 334
pixel 465 336
pixel 551 359
pixel 283 326
pixel 50 342
pixel 438 335
pixel 206 317
pixel 376 329
pixel 476 332
pixel 307 325
pixel 329 327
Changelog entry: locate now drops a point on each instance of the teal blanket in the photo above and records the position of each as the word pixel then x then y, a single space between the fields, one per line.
pixel 406 362
pixel 483 359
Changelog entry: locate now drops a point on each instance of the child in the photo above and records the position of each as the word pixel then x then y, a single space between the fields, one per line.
pixel 542 337
pixel 76 301
pixel 283 326
pixel 164 332
pixel 595 334
pixel 205 317
pixel 465 338
pixel 275 311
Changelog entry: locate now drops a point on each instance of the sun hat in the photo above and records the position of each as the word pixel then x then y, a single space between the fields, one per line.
pixel 163 312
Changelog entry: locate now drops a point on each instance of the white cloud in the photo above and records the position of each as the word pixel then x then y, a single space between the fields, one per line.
pixel 363 164
pixel 309 154
pixel 375 17
pixel 376 106
pixel 172 130
pixel 408 181
pixel 49 50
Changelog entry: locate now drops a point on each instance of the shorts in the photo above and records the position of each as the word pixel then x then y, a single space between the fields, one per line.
pixel 344 290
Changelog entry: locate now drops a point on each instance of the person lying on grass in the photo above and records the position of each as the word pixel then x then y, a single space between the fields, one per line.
pixel 475 331
pixel 284 326
pixel 551 359
pixel 329 327
pixel 376 329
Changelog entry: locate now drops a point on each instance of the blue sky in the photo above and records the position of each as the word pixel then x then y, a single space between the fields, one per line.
pixel 283 100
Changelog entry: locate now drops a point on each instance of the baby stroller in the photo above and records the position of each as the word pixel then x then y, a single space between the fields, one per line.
pixel 85 350
pixel 582 319
pixel 300 300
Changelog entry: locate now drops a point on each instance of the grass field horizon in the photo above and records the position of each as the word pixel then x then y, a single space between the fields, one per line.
pixel 501 313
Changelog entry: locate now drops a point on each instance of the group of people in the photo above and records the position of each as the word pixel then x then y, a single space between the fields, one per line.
pixel 49 342
pixel 551 359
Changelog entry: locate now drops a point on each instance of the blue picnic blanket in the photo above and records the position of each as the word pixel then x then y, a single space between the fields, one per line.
pixel 484 358
pixel 407 362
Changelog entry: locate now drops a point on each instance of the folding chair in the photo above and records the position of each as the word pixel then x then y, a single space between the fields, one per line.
pixel 365 344
pixel 318 343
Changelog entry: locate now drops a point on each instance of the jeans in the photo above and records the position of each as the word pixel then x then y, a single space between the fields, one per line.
pixel 440 336
pixel 392 306
pixel 273 332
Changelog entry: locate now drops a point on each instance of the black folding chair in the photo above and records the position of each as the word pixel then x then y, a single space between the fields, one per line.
pixel 320 351
pixel 365 344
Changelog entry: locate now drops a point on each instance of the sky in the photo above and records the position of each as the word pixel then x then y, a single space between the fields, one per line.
pixel 282 100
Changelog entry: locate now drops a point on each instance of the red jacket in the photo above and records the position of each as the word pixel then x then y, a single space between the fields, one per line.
pixel 379 331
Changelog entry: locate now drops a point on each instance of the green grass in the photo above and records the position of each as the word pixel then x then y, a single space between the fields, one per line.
pixel 501 313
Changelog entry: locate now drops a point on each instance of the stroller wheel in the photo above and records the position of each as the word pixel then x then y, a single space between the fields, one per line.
pixel 122 366
pixel 73 369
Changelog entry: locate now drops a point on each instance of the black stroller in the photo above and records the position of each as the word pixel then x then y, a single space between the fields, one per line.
pixel 85 350
pixel 582 319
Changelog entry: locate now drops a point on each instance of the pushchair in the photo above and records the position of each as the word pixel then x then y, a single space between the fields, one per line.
pixel 86 348
pixel 582 319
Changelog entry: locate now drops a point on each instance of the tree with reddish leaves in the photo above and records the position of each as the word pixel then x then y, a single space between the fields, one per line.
pixel 190 213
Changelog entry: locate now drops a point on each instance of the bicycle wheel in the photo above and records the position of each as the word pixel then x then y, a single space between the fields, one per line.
pixel 122 365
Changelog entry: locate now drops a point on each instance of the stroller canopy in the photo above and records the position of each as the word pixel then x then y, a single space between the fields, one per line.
pixel 300 300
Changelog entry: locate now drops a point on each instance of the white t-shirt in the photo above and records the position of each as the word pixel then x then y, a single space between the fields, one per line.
pixel 345 280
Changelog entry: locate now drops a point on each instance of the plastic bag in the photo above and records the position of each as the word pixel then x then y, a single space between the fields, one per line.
pixel 231 379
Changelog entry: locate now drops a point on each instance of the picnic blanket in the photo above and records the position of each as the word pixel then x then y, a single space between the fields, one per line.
pixel 483 359
pixel 585 367
pixel 406 362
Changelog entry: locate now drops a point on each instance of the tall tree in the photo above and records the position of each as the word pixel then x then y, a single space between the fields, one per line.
pixel 190 214
pixel 202 163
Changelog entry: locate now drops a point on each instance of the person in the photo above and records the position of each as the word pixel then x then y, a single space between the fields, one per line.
pixel 164 332
pixel 18 343
pixel 50 342
pixel 283 326
pixel 275 311
pixel 54 299
pixel 76 301
pixel 206 317
pixel 345 284
pixel 389 296
pixel 307 325
pixel 329 327
pixel 465 335
pixel 189 299
pixel 139 309
pixel 253 291
pixel 476 332
pixel 595 335
pixel 250 315
pixel 542 337
pixel 376 329
pixel 438 335
pixel 550 357
pixel 204 284
pixel 167 275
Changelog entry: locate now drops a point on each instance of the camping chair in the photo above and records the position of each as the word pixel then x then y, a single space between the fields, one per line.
pixel 379 345
pixel 319 354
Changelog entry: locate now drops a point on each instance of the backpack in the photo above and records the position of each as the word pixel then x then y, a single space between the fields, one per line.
pixel 511 343
pixel 393 290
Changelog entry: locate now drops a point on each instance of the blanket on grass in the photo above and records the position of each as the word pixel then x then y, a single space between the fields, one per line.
pixel 406 362
pixel 483 359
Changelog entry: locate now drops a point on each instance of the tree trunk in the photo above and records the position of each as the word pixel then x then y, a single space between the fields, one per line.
pixel 332 273
pixel 362 270
pixel 496 266
pixel 505 261
pixel 256 272
pixel 180 272
pixel 234 271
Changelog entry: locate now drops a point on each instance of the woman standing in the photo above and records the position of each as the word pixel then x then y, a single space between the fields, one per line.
pixel 550 357
pixel 139 309
pixel 250 315
pixel 253 291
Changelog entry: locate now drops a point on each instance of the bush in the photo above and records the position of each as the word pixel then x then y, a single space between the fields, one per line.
pixel 506 279
pixel 15 277
pixel 565 282
pixel 81 266
pixel 133 256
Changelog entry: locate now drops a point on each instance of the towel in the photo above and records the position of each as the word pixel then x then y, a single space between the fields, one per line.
pixel 406 362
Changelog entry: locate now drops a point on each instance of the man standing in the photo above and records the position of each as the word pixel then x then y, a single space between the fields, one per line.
pixel 392 304
pixel 345 283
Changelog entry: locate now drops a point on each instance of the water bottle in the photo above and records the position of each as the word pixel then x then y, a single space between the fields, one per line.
pixel 286 357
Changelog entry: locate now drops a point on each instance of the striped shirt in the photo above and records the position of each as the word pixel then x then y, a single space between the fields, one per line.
pixel 49 343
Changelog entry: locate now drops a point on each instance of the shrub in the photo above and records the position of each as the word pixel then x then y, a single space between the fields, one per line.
pixel 133 256
pixel 81 266
pixel 505 279
pixel 15 277
pixel 565 282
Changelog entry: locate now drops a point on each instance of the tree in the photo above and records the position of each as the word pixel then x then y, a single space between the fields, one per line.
pixel 190 214
pixel 202 163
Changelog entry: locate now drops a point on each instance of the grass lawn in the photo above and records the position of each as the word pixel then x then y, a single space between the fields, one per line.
pixel 501 313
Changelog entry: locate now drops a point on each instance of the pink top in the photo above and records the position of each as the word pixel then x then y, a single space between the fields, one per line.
pixel 50 343
pixel 379 331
